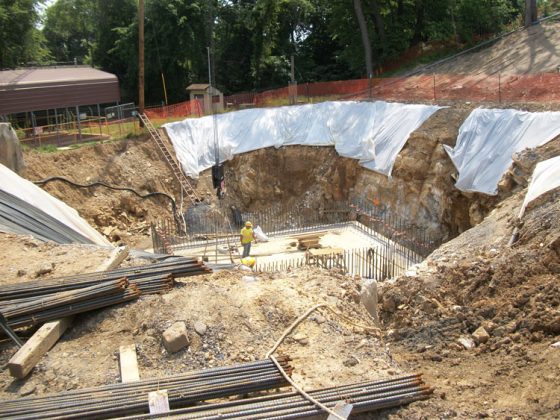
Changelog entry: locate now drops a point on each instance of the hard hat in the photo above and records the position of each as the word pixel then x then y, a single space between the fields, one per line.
pixel 248 224
pixel 248 261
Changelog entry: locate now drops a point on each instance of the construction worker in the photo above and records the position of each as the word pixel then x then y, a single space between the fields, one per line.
pixel 247 236
pixel 249 262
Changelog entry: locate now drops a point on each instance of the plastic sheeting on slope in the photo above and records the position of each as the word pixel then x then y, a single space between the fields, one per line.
pixel 372 132
pixel 15 185
pixel 488 139
pixel 546 177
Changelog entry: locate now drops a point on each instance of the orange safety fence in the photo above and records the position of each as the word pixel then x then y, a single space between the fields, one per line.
pixel 539 88
pixel 183 109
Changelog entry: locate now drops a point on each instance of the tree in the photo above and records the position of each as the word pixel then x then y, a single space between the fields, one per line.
pixel 20 40
pixel 530 12
pixel 365 36
pixel 70 30
pixel 110 18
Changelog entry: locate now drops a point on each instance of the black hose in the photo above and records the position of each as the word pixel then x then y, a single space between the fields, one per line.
pixel 112 187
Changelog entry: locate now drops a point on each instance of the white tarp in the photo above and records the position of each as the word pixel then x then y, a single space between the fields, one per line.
pixel 12 183
pixel 546 177
pixel 488 139
pixel 372 132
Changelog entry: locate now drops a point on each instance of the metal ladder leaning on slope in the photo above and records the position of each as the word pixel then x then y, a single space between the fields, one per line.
pixel 186 188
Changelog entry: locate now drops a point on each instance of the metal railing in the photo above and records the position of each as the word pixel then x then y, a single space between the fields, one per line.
pixel 67 133
pixel 379 263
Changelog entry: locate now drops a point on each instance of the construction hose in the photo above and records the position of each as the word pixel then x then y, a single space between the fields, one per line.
pixel 112 187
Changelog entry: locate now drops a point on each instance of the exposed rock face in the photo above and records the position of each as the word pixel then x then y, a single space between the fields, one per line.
pixel 10 148
pixel 421 190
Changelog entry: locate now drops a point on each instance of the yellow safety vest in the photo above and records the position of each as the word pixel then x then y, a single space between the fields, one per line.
pixel 246 235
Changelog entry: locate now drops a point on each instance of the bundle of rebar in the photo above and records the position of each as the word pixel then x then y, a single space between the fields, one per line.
pixel 144 277
pixel 364 397
pixel 57 305
pixel 132 398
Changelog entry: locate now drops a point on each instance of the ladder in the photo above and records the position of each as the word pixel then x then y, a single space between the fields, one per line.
pixel 186 188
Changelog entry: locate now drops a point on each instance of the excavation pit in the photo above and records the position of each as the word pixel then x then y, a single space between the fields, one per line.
pixel 356 237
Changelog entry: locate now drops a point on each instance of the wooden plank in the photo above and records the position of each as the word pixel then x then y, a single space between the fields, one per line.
pixel 128 364
pixel 118 255
pixel 45 337
pixel 41 342
pixel 326 251
pixel 318 233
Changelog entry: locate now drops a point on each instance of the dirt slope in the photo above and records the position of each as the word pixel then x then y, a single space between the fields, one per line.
pixel 120 216
pixel 475 281
pixel 534 50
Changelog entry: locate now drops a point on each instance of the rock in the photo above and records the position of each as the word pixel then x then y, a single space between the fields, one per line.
pixel 499 332
pixel 176 337
pixel 556 345
pixel 11 155
pixel 248 279
pixel 480 335
pixel 351 361
pixel 368 297
pixel 27 389
pixel 489 326
pixel 320 319
pixel 301 339
pixel 389 304
pixel 108 230
pixel 200 328
pixel 436 358
pixel 44 269
pixel 466 342
pixel 21 273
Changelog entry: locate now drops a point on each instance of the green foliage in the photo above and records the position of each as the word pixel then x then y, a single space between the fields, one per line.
pixel 70 30
pixel 20 40
pixel 251 40
pixel 46 148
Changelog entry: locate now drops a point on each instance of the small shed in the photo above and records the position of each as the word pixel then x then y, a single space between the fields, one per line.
pixel 208 95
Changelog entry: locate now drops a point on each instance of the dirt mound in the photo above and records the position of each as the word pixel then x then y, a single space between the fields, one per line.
pixel 121 216
pixel 477 281
pixel 533 50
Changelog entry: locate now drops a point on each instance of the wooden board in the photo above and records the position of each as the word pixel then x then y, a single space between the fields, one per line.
pixel 316 234
pixel 118 255
pixel 45 337
pixel 326 251
pixel 41 342
pixel 128 364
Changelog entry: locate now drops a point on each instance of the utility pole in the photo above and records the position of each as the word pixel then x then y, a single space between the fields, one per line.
pixel 141 56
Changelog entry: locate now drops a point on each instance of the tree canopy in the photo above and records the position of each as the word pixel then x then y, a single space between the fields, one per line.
pixel 251 40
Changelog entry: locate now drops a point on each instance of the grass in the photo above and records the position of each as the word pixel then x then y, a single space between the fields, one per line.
pixel 45 148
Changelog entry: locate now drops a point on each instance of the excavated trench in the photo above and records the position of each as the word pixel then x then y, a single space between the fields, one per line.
pixel 420 193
